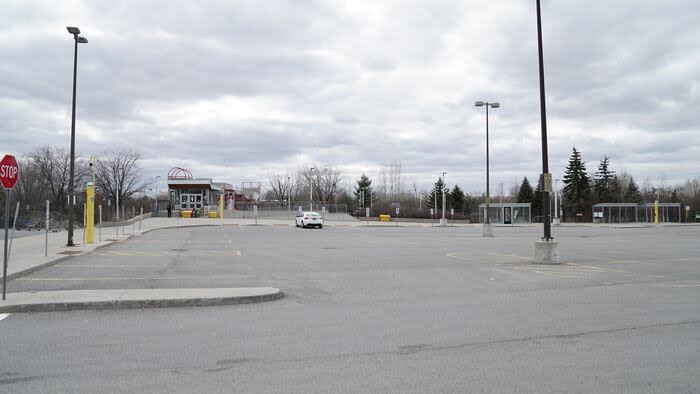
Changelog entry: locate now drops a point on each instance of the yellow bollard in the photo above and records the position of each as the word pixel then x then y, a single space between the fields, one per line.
pixel 90 225
pixel 656 212
pixel 221 206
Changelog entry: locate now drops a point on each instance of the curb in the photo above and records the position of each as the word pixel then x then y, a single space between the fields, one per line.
pixel 140 304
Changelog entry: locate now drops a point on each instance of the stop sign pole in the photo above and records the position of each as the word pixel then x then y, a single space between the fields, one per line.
pixel 9 174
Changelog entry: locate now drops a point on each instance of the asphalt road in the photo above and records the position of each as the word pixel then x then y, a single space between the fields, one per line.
pixel 374 310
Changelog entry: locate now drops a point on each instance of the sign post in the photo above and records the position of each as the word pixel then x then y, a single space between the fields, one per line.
pixel 9 175
pixel 46 241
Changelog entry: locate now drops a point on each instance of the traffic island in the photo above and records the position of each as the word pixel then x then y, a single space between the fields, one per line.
pixel 53 301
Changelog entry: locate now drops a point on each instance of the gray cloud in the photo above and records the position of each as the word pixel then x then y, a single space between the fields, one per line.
pixel 239 90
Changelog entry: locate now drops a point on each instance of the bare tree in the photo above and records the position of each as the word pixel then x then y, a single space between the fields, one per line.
pixel 325 182
pixel 119 170
pixel 51 166
pixel 280 187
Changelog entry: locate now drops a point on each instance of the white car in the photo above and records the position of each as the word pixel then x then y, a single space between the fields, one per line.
pixel 309 219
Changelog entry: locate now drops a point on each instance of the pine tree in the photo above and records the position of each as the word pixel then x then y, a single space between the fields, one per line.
pixel 364 184
pixel 602 182
pixel 577 186
pixel 457 199
pixel 525 193
pixel 616 191
pixel 537 202
pixel 632 193
pixel 434 200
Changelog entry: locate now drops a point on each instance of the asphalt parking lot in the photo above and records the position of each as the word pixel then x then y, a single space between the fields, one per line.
pixel 289 258
pixel 375 309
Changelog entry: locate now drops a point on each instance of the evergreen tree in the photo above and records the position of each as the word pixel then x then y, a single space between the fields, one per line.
pixel 525 193
pixel 537 202
pixel 364 184
pixel 434 200
pixel 616 191
pixel 602 182
pixel 457 199
pixel 632 193
pixel 577 186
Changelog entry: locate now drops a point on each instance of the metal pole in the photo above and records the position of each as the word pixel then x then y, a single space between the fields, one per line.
pixel 99 208
pixel 71 176
pixel 444 185
pixel 84 220
pixel 543 115
pixel 140 219
pixel 7 226
pixel 311 189
pixel 14 224
pixel 157 199
pixel 46 240
pixel 487 220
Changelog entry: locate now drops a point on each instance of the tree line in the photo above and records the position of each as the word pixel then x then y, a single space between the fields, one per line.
pixel 44 176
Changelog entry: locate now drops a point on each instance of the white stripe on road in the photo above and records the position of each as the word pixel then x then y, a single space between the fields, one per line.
pixel 4 315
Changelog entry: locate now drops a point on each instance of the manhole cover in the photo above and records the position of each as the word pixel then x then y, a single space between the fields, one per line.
pixel 71 252
pixel 329 248
pixel 178 250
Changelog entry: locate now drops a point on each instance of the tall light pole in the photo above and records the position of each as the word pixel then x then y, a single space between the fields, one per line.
pixel 547 250
pixel 488 229
pixel 311 189
pixel 289 193
pixel 443 221
pixel 557 196
pixel 71 181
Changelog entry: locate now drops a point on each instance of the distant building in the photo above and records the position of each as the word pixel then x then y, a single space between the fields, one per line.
pixel 186 192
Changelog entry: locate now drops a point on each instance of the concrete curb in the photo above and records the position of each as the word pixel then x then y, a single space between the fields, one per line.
pixel 143 303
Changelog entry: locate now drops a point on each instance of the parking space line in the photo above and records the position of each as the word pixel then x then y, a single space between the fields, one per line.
pixel 79 279
pixel 4 315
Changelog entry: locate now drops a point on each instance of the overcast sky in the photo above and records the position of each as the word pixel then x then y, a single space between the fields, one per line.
pixel 239 90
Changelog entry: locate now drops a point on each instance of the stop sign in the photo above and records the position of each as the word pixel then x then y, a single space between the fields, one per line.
pixel 9 171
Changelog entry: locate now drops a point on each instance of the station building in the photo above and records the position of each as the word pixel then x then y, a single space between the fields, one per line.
pixel 186 192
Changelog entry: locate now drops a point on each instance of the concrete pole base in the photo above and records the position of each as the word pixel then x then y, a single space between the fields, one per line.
pixel 443 222
pixel 487 230
pixel 547 252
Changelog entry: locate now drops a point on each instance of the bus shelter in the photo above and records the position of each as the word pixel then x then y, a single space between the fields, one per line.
pixel 506 213
pixel 668 212
pixel 616 212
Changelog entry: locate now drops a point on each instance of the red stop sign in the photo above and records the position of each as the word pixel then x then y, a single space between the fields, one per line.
pixel 9 171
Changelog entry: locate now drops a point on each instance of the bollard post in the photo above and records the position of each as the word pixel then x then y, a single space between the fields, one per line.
pixel 46 240
pixel 140 219
pixel 99 234
pixel 84 222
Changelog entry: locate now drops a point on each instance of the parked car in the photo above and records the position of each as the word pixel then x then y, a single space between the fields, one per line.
pixel 309 219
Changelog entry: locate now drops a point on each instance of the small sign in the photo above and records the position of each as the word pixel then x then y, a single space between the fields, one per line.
pixel 548 183
pixel 367 212
pixel 397 211
pixel 255 209
pixel 452 211
pixel 431 211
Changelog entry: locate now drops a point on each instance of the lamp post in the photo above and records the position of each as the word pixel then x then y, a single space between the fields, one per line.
pixel 71 181
pixel 443 221
pixel 289 194
pixel 546 250
pixel 311 189
pixel 488 229
pixel 557 196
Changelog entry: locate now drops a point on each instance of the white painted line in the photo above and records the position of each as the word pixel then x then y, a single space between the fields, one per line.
pixel 4 315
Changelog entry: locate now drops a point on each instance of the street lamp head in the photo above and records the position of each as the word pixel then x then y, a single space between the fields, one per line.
pixel 479 104
pixel 82 40
pixel 73 30
pixel 495 105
